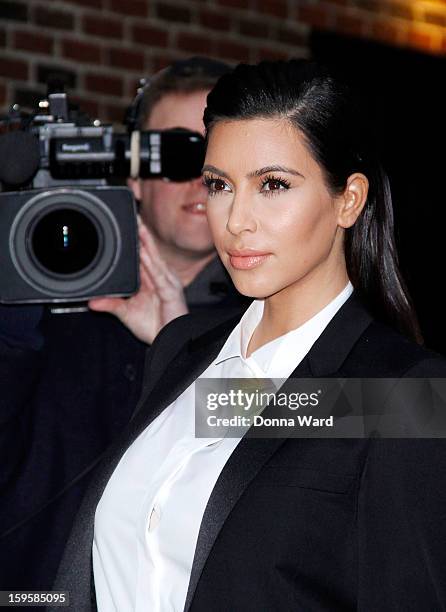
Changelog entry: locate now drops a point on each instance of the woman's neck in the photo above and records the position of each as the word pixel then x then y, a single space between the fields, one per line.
pixel 293 306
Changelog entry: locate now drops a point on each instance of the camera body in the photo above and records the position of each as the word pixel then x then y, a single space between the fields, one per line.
pixel 68 236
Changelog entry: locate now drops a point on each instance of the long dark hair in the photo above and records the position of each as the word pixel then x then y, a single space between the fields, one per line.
pixel 338 134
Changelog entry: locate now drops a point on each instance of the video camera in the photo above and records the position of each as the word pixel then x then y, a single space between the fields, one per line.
pixel 67 234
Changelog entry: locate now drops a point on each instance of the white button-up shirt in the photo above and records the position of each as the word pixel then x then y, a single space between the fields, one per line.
pixel 148 518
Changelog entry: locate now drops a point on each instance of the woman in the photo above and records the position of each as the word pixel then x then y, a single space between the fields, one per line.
pixel 301 216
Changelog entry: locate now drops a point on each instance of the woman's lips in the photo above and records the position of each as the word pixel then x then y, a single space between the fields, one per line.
pixel 242 261
pixel 195 208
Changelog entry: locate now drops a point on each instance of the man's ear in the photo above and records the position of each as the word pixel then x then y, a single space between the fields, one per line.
pixel 352 201
pixel 135 186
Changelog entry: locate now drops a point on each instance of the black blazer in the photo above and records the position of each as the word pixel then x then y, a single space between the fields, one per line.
pixel 311 524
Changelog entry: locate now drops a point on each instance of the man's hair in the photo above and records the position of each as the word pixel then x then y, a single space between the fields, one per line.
pixel 181 77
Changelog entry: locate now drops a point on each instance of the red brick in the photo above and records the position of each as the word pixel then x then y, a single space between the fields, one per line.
pixel 420 39
pixel 385 30
pixel 437 17
pixel 289 36
pixel 232 50
pixel 271 54
pixel 365 5
pixel 105 27
pixel 150 36
pixel 194 43
pixel 132 86
pixel 314 16
pixel 277 8
pixel 253 28
pixel 86 105
pixel 86 53
pixel 114 113
pixel 3 94
pixel 214 20
pixel 33 41
pixel 133 8
pixel 98 4
pixel 125 58
pixel 14 68
pixel 242 4
pixel 104 84
pixel 53 18
pixel 172 13
pixel 398 9
pixel 161 61
pixel 350 24
pixel 437 47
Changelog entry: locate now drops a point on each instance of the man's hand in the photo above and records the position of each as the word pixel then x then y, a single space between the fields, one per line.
pixel 160 297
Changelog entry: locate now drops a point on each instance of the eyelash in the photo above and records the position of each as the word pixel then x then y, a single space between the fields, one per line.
pixel 282 182
pixel 208 181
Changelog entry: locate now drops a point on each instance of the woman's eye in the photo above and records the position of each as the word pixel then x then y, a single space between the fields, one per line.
pixel 215 185
pixel 273 185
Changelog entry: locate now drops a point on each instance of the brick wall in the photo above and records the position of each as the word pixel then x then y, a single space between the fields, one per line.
pixel 101 47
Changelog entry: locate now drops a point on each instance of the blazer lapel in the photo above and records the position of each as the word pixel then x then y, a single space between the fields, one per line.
pixel 182 371
pixel 323 360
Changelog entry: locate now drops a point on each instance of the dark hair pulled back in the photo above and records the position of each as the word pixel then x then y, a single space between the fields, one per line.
pixel 339 135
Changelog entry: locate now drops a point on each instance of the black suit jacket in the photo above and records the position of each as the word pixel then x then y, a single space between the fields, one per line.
pixel 309 525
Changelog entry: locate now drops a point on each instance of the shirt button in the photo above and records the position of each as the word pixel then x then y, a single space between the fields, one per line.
pixel 155 517
pixel 130 372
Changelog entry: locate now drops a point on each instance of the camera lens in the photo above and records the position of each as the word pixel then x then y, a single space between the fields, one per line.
pixel 65 241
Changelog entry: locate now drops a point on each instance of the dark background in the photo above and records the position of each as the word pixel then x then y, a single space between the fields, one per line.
pixel 406 90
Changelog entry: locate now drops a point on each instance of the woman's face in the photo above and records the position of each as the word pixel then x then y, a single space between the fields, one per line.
pixel 273 221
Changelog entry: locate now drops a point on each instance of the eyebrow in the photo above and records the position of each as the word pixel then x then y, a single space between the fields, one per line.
pixel 276 168
pixel 259 172
pixel 209 168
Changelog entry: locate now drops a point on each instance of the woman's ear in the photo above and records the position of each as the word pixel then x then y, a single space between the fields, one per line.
pixel 353 199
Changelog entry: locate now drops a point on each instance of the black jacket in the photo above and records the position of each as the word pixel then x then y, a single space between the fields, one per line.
pixel 311 525
pixel 67 390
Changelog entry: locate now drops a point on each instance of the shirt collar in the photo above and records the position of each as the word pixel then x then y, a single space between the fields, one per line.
pixel 237 342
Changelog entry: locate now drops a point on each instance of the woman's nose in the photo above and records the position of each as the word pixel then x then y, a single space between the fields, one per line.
pixel 241 217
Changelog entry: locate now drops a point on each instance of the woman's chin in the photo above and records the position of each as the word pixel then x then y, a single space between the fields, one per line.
pixel 250 290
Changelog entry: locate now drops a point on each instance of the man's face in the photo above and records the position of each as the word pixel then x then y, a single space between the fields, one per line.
pixel 176 212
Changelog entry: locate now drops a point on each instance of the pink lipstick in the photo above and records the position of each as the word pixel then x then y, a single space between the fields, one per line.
pixel 246 259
